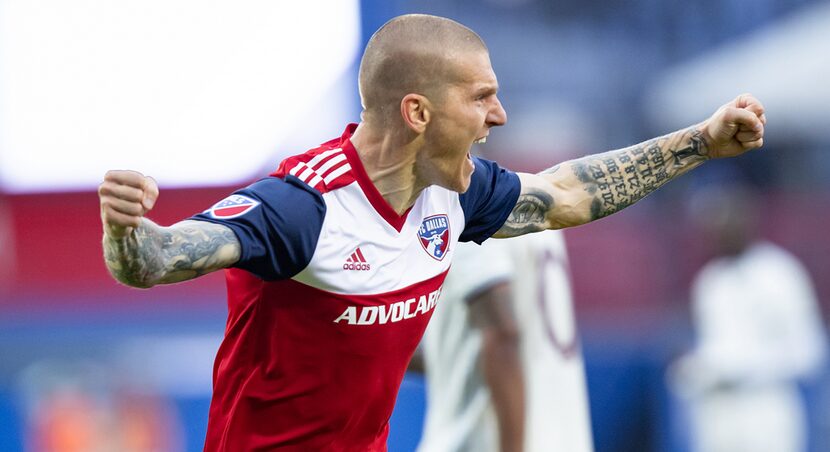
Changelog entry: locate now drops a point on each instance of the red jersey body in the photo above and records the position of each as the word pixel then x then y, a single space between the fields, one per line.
pixel 330 298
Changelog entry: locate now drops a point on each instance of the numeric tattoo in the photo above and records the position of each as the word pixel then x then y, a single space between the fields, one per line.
pixel 617 179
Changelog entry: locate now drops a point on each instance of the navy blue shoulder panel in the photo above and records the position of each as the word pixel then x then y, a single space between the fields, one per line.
pixel 279 234
pixel 487 203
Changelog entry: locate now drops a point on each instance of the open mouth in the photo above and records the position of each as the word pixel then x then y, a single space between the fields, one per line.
pixel 481 140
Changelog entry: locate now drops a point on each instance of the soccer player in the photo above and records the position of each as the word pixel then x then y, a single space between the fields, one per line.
pixel 333 262
pixel 501 352
pixel 759 332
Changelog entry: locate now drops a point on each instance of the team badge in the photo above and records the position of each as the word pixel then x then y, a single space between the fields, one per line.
pixel 434 235
pixel 232 207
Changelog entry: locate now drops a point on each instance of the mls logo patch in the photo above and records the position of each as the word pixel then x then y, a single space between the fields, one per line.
pixel 232 207
pixel 434 235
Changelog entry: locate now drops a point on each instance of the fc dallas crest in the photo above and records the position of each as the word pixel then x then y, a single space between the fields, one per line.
pixel 434 235
pixel 232 207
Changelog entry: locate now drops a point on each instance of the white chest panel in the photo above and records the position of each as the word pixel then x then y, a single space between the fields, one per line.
pixel 359 252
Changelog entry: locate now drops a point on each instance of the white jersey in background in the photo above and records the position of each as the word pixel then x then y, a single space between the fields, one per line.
pixel 460 416
pixel 759 331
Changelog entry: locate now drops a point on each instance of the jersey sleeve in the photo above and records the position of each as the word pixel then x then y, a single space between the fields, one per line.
pixel 277 222
pixel 491 197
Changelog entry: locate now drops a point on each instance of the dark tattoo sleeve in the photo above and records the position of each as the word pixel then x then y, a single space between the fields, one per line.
pixel 153 255
pixel 617 179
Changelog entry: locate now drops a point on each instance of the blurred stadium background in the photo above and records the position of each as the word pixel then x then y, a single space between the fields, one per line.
pixel 207 96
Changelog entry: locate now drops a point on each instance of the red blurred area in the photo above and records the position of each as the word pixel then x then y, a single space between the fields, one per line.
pixel 640 262
pixel 626 267
pixel 58 255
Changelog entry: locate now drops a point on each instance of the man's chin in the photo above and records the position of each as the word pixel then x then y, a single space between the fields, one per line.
pixel 462 183
pixel 465 184
pixel 458 186
pixel 467 179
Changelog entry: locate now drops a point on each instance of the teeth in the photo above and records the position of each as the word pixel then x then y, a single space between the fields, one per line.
pixel 481 140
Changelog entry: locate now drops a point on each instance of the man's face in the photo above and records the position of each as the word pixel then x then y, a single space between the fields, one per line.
pixel 465 113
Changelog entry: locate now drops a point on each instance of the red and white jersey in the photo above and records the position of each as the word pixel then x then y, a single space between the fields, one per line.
pixel 331 296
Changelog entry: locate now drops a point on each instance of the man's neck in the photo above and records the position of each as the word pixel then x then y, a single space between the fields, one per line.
pixel 390 165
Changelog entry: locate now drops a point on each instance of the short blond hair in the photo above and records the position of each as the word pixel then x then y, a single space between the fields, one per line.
pixel 412 53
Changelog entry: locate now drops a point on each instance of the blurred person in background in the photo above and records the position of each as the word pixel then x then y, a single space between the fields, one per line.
pixel 759 333
pixel 336 260
pixel 503 365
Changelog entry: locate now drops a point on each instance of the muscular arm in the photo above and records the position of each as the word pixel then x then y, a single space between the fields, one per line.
pixel 152 254
pixel 586 189
pixel 592 187
pixel 140 253
pixel 491 311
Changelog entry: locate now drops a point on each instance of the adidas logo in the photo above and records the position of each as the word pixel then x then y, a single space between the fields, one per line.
pixel 356 261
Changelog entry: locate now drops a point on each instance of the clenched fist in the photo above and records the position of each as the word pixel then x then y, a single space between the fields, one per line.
pixel 735 128
pixel 125 196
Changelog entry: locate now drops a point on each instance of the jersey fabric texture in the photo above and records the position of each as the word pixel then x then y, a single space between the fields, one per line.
pixel 460 414
pixel 331 296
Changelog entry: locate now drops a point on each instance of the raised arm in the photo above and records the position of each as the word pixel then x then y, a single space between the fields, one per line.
pixel 586 189
pixel 140 253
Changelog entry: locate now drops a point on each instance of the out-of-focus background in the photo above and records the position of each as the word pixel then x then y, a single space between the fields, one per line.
pixel 208 96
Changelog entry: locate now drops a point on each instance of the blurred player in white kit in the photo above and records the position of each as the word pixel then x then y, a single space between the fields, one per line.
pixel 503 364
pixel 759 332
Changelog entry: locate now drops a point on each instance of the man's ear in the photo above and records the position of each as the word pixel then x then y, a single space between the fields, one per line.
pixel 415 110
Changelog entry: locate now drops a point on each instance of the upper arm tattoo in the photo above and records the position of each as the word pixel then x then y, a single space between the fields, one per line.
pixel 153 254
pixel 617 179
pixel 529 214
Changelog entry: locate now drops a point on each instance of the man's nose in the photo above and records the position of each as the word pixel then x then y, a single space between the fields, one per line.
pixel 496 116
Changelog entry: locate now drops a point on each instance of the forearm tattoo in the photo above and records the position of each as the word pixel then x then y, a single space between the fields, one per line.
pixel 153 255
pixel 617 179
